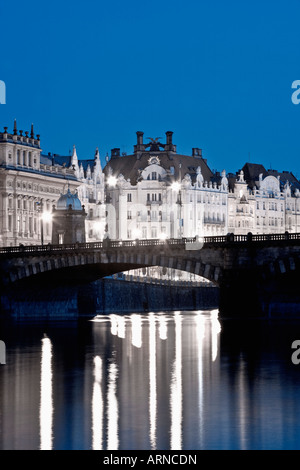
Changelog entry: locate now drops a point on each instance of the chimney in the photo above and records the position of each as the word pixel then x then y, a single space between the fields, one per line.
pixel 139 138
pixel 169 145
pixel 139 147
pixel 169 138
pixel 115 153
pixel 197 152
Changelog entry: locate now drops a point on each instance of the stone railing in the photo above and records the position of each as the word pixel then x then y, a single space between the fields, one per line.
pixel 91 246
pixel 146 243
pixel 267 237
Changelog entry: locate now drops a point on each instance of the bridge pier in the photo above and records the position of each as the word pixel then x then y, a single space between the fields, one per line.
pixel 240 296
pixel 246 295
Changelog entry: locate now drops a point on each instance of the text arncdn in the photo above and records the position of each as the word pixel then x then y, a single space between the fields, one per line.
pixel 157 459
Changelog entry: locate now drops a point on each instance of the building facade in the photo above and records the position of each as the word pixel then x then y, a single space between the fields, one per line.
pixel 91 179
pixel 157 193
pixel 30 184
pixel 263 201
pixel 153 193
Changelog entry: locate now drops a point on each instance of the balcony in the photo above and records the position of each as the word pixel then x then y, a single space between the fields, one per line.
pixel 153 203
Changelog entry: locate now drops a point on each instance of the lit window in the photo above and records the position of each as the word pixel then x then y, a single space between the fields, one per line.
pixel 153 232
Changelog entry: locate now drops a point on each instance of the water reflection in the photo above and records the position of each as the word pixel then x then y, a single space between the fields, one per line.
pixel 152 379
pixel 176 389
pixel 163 329
pixel 200 332
pixel 112 409
pixel 136 330
pixel 46 400
pixel 215 330
pixel 181 380
pixel 97 406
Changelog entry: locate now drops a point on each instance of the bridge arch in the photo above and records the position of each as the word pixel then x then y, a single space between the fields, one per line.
pixel 249 268
pixel 95 265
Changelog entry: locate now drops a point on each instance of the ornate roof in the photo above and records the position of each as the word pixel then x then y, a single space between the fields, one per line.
pixel 67 200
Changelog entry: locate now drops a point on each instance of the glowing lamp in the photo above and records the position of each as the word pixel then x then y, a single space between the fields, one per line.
pixel 47 216
pixel 176 186
pixel 111 181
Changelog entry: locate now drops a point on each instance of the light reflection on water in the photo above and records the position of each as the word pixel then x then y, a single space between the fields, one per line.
pixel 97 406
pixel 152 380
pixel 181 380
pixel 46 403
pixel 176 389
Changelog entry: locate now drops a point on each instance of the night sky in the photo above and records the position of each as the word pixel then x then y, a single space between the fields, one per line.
pixel 217 73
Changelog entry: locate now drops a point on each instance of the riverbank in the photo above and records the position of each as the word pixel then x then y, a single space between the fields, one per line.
pixel 105 296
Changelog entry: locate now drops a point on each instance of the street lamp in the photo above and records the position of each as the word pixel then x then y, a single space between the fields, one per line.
pixel 176 187
pixel 112 181
pixel 136 233
pixel 99 226
pixel 163 236
pixel 45 217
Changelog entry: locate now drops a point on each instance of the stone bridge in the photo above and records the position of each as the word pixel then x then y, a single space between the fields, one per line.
pixel 256 274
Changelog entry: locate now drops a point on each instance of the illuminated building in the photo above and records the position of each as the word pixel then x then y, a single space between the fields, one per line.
pixel 153 193
pixel 157 193
pixel 30 184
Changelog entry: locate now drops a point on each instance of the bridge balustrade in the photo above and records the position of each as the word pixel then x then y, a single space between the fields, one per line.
pixel 108 244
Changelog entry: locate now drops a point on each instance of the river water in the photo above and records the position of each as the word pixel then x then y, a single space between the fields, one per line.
pixel 158 381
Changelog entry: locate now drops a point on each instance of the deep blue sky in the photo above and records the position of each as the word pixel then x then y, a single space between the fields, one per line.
pixel 216 73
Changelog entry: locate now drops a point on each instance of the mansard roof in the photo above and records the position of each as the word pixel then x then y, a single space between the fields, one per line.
pixel 176 165
pixel 53 159
pixel 253 170
pixel 131 167
pixel 66 160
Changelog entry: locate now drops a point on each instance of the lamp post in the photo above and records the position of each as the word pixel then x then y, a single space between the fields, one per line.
pixel 40 212
pixel 110 227
pixel 45 217
pixel 176 187
pixel 42 229
pixel 99 226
